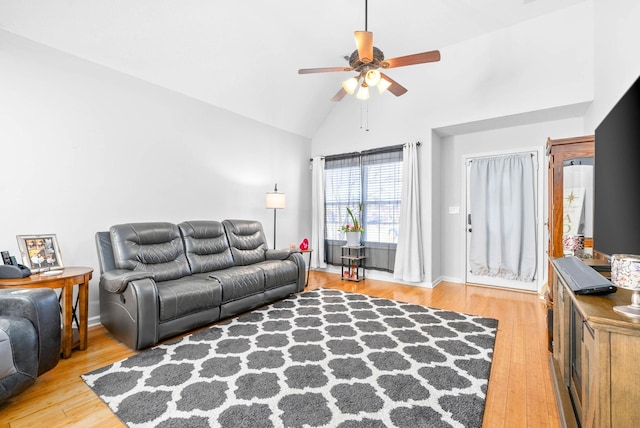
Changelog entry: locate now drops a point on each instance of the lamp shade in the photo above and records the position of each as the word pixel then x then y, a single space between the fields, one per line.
pixel 363 93
pixel 625 271
pixel 350 85
pixel 383 85
pixel 275 200
pixel 372 77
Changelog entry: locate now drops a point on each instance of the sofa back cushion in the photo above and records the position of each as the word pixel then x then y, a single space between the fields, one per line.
pixel 150 247
pixel 206 246
pixel 246 240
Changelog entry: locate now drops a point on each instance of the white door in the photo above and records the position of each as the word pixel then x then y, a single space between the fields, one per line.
pixel 496 281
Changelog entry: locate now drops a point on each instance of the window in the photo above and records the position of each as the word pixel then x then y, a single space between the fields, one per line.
pixel 373 179
pixel 342 190
pixel 382 181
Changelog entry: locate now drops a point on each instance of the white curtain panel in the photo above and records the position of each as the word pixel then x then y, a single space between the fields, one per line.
pixel 317 214
pixel 409 265
pixel 502 202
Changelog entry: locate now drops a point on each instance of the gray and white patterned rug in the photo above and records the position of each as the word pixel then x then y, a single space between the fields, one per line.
pixel 325 358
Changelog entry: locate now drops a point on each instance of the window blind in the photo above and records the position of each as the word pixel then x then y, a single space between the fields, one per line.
pixel 373 179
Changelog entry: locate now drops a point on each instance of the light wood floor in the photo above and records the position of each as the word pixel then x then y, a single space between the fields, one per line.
pixel 520 393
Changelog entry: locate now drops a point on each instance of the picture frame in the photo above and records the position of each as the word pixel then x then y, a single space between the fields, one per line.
pixel 40 252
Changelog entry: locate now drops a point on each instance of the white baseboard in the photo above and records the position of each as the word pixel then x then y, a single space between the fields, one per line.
pixel 453 279
pixel 377 275
pixel 94 320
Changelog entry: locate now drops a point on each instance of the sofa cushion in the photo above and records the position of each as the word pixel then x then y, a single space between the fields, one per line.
pixel 239 281
pixel 179 297
pixel 206 246
pixel 150 247
pixel 246 240
pixel 278 272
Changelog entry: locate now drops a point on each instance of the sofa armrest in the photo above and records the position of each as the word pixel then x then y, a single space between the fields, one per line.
pixel 294 255
pixel 283 254
pixel 116 281
pixel 39 306
pixel 132 315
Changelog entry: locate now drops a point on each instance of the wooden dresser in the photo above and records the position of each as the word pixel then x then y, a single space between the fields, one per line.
pixel 596 358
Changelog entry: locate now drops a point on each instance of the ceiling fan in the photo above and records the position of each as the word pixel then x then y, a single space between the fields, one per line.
pixel 366 60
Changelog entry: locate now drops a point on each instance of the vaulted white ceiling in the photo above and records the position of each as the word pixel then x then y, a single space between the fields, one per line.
pixel 243 56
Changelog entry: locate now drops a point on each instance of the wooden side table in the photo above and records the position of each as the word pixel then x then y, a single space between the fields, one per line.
pixel 65 280
pixel 309 251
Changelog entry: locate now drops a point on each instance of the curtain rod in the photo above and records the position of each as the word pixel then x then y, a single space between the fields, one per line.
pixel 532 154
pixel 366 152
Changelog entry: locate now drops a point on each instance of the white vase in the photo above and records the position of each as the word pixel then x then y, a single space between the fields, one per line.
pixel 353 239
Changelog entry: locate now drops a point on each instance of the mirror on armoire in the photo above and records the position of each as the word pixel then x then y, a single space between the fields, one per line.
pixel 577 207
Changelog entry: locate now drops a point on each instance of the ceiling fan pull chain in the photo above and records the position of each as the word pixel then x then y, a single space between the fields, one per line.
pixel 364 116
pixel 367 128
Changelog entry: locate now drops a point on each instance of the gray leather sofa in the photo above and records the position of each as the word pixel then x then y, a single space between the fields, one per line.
pixel 29 337
pixel 161 279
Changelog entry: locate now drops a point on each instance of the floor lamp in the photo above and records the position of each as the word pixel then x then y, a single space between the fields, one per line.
pixel 275 201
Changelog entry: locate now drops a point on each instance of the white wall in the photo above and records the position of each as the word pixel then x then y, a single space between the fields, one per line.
pixel 542 65
pixel 616 58
pixel 436 237
pixel 84 147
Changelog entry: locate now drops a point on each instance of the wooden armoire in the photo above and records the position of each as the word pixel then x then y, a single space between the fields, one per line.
pixel 560 152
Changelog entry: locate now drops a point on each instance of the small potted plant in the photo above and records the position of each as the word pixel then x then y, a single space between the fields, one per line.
pixel 353 231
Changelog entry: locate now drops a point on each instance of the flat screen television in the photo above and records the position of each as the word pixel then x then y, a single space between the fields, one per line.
pixel 616 217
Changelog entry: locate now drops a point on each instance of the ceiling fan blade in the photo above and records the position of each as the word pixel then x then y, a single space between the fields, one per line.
pixel 339 95
pixel 420 58
pixel 323 70
pixel 364 43
pixel 395 88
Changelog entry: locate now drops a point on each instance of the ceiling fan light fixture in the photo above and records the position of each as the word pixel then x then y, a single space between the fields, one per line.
pixel 372 77
pixel 383 85
pixel 363 92
pixel 350 85
pixel 367 60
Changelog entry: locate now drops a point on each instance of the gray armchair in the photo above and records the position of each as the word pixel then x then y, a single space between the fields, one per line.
pixel 29 337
